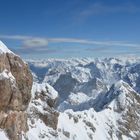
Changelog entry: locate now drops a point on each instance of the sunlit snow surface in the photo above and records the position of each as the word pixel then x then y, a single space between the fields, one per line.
pixel 3 135
pixel 3 48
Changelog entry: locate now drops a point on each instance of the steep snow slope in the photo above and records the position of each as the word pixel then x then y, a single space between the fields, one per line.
pixel 97 98
pixel 3 48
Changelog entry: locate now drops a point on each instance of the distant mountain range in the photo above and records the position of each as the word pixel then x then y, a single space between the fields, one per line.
pixel 98 99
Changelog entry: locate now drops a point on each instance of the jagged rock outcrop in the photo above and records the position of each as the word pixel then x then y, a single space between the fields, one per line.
pixel 43 105
pixel 14 123
pixel 15 93
pixel 21 72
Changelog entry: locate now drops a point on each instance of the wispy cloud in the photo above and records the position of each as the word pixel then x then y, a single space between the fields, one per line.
pixel 27 41
pixel 15 37
pixel 30 41
pixel 91 42
pixel 102 9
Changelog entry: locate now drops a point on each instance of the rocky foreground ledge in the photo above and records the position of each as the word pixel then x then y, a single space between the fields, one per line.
pixel 15 93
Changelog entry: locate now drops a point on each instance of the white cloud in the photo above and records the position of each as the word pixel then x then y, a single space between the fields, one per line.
pixel 91 42
pixel 27 41
pixel 30 41
pixel 35 42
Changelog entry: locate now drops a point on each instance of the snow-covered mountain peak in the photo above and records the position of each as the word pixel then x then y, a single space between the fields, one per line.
pixel 119 97
pixel 122 87
pixel 3 48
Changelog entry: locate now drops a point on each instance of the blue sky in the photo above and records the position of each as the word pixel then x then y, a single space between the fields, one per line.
pixel 70 28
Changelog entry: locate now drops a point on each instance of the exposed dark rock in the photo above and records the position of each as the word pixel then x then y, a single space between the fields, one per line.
pixel 66 133
pixel 50 119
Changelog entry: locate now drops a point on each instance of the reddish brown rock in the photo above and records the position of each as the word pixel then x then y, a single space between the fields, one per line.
pixel 23 76
pixel 11 98
pixel 4 63
pixel 15 94
pixel 21 92
pixel 14 123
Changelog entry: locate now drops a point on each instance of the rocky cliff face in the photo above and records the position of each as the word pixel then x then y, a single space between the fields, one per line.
pixel 15 93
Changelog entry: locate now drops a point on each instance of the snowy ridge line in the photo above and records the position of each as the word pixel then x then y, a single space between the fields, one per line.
pixel 4 49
